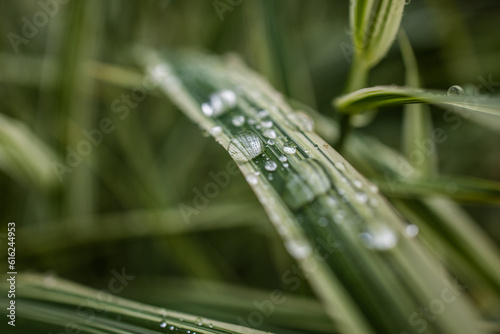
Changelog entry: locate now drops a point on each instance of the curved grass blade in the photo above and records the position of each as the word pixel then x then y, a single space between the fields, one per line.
pixel 56 304
pixel 370 275
pixel 24 156
pixel 383 96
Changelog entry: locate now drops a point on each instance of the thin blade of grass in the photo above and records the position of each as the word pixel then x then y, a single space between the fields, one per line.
pixel 461 189
pixel 55 303
pixel 370 280
pixel 417 122
pixel 24 156
pixel 383 96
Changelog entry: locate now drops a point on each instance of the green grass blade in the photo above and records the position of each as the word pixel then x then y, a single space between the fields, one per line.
pixel 462 189
pixel 24 156
pixel 383 96
pixel 374 27
pixel 454 228
pixel 370 280
pixel 53 303
pixel 417 122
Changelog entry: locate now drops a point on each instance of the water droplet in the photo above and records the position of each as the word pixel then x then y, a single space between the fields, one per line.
pixel 340 165
pixel 252 179
pixel 262 114
pixel 171 328
pixel 252 121
pixel 298 249
pixel 303 121
pixel 229 98
pixel 198 321
pixel 283 158
pixel 411 230
pixel 245 146
pixel 270 142
pixel 361 198
pixel 289 148
pixel 455 90
pixel 216 130
pixel 373 188
pixel 266 124
pixel 163 324
pixel 238 120
pixel 286 165
pixel 358 184
pixel 270 177
pixel 270 166
pixel 383 239
pixel 217 104
pixel 207 109
pixel 269 133
pixel 210 325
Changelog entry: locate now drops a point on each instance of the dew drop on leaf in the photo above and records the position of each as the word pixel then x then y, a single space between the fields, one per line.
pixel 411 230
pixel 289 148
pixel 238 120
pixel 298 249
pixel 381 240
pixel 455 90
pixel 269 133
pixel 270 166
pixel 245 146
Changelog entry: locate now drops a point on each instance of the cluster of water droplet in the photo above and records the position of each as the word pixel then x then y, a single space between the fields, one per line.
pixel 198 322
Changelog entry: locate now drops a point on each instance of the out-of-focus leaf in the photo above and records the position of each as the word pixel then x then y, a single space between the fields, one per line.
pixel 24 156
pixel 463 189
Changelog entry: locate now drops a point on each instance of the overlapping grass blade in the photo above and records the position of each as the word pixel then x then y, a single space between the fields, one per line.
pixel 370 275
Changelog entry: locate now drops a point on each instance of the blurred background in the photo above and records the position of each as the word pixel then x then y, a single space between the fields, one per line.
pixel 93 168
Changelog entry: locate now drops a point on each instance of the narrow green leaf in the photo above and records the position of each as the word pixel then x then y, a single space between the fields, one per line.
pixel 374 27
pixel 417 121
pixel 24 156
pixel 462 189
pixel 57 304
pixel 350 243
pixel 382 96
